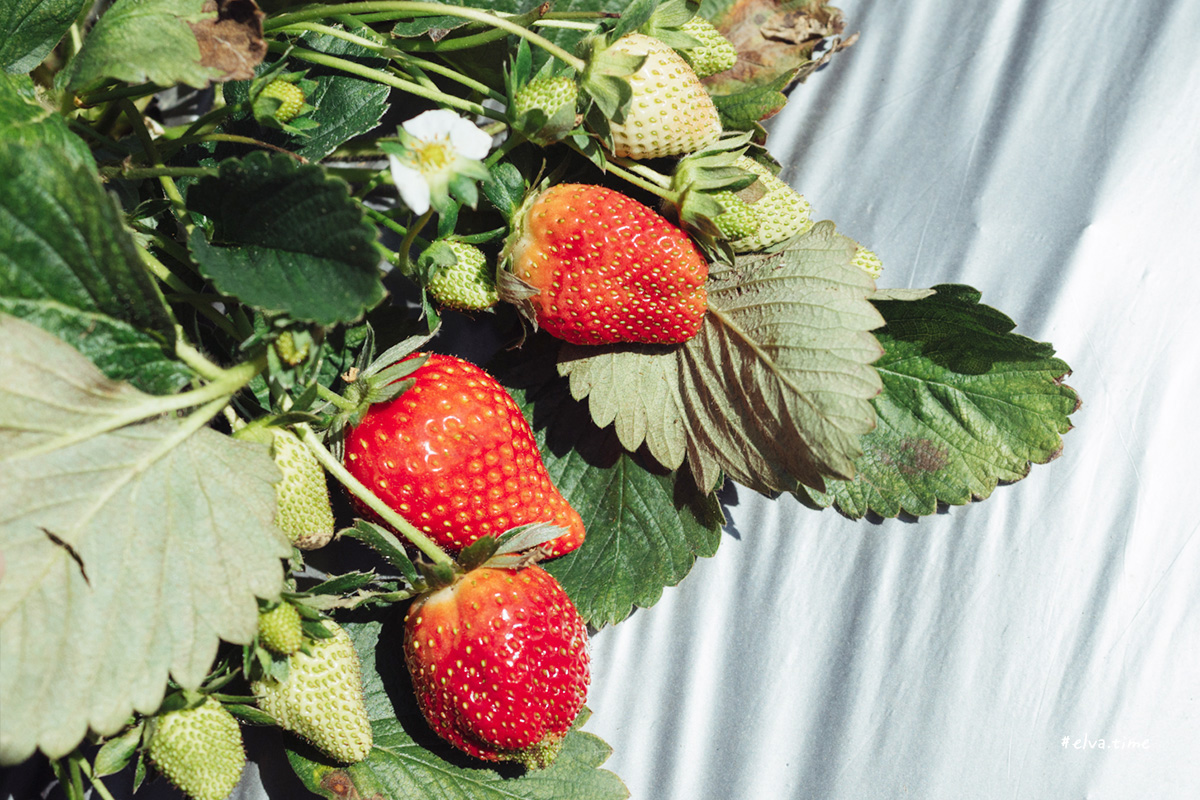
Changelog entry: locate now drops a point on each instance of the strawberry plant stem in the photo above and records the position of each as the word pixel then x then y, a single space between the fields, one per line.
pixel 415 9
pixel 325 393
pixel 335 468
pixel 371 74
pixel 97 784
pixel 195 359
pixel 405 246
pixel 215 395
pixel 138 173
pixel 160 271
pixel 454 75
pixel 99 96
pixel 169 188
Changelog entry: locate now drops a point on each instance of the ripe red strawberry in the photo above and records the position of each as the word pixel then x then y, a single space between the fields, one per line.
pixel 606 268
pixel 499 663
pixel 455 457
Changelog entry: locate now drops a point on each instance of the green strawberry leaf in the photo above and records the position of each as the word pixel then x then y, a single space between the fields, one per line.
pixel 129 550
pixel 774 391
pixel 31 29
pixel 141 41
pixel 286 238
pixel 966 404
pixel 742 106
pixel 646 526
pixel 68 265
pixel 409 760
pixel 25 121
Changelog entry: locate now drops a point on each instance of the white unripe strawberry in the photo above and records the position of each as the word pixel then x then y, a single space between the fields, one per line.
pixel 322 698
pixel 199 750
pixel 671 113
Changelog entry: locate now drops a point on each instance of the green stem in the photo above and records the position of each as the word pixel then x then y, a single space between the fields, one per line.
pixel 161 271
pixel 406 245
pixel 423 10
pixel 99 96
pixel 97 784
pixel 195 359
pixel 139 173
pixel 385 78
pixel 237 139
pixel 454 75
pixel 325 393
pixel 168 183
pixel 356 487
pixel 338 33
pixel 514 139
pixel 231 380
pixel 643 170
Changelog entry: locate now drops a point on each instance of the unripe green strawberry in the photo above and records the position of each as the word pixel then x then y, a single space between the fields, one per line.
pixel 288 352
pixel 469 284
pixel 279 629
pixel 499 663
pixel 778 211
pixel 304 513
pixel 290 97
pixel 670 113
pixel 738 221
pixel 550 94
pixel 322 698
pixel 714 54
pixel 868 262
pixel 199 750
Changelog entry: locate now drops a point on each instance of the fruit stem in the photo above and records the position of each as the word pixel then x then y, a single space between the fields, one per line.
pixel 160 271
pixel 99 96
pixel 97 784
pixel 356 487
pixel 403 264
pixel 426 9
pixel 219 391
pixel 345 65
pixel 325 393
pixel 627 175
pixel 168 184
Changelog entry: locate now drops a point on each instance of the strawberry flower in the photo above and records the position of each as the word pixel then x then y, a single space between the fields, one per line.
pixel 439 156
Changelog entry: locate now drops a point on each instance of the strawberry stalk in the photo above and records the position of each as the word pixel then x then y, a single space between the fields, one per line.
pixel 356 487
pixel 386 78
pixel 404 8
pixel 97 784
pixel 178 206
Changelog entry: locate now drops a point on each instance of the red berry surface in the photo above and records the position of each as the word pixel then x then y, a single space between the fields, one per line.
pixel 454 456
pixel 608 268
pixel 499 663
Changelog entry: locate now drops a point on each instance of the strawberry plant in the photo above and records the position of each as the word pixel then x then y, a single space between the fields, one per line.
pixel 495 297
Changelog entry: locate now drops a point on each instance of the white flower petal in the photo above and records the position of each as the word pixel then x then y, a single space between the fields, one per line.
pixel 431 125
pixel 413 188
pixel 470 141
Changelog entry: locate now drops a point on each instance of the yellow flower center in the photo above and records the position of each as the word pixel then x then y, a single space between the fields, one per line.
pixel 433 156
